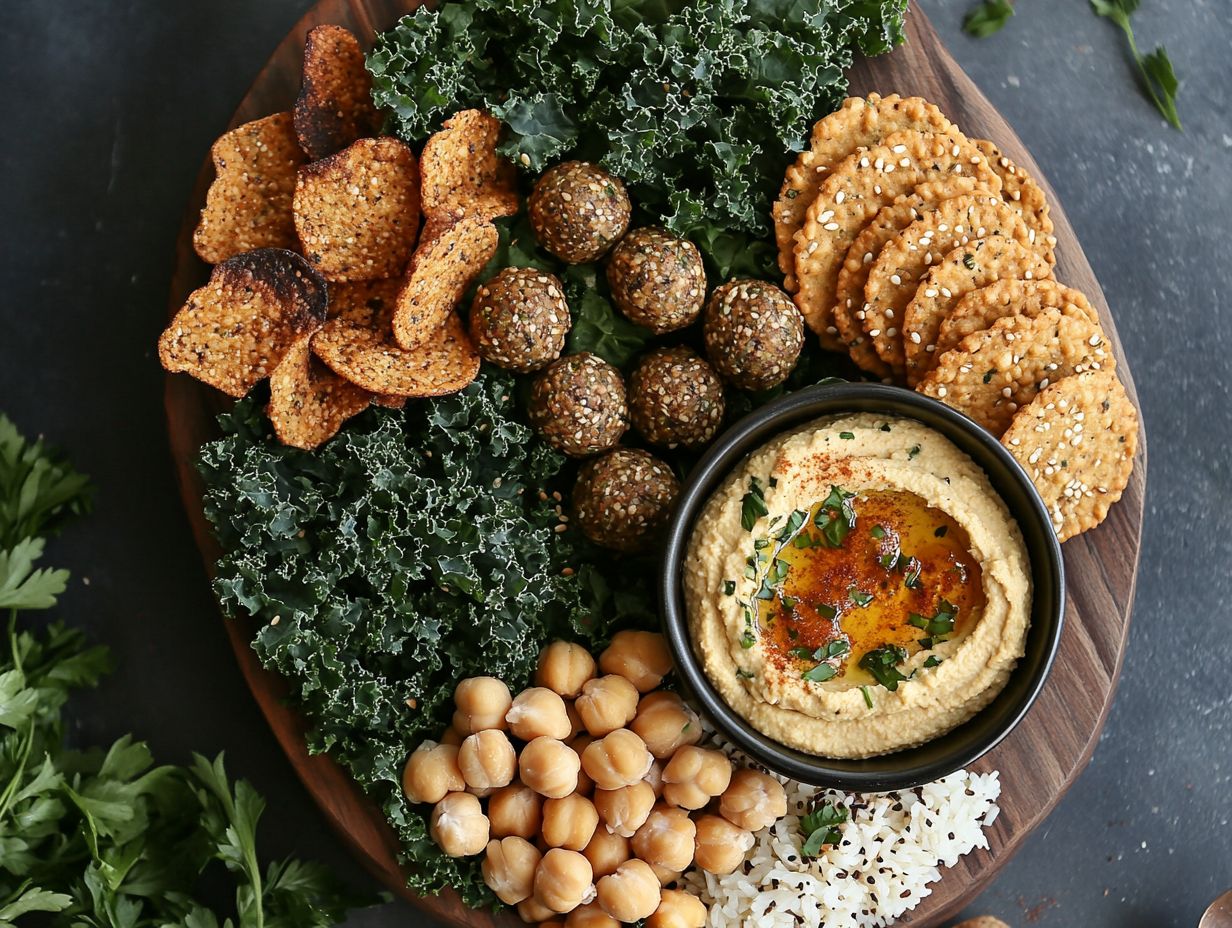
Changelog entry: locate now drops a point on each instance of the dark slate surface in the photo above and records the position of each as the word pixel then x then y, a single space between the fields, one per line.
pixel 107 110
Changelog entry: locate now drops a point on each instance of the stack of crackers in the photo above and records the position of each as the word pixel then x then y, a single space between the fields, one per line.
pixel 340 257
pixel 928 257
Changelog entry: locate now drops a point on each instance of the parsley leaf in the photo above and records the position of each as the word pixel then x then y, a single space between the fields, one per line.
pixel 1155 69
pixel 883 663
pixel 836 516
pixel 753 505
pixel 988 18
pixel 820 826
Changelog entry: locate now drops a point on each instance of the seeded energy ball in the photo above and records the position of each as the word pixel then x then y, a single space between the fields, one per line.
pixel 675 398
pixel 519 319
pixel 622 500
pixel 578 405
pixel 578 211
pixel 754 333
pixel 657 279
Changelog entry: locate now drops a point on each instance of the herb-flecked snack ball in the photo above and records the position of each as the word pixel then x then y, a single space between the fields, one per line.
pixel 579 211
pixel 657 280
pixel 753 332
pixel 519 319
pixel 675 398
pixel 578 405
pixel 622 500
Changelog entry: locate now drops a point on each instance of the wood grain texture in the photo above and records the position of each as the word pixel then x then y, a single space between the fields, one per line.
pixel 1038 762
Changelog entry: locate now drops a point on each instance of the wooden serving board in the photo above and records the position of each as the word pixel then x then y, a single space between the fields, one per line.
pixel 1038 762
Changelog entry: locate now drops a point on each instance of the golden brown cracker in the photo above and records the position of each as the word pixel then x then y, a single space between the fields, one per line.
pixel 850 197
pixel 1077 440
pixel 859 123
pixel 994 373
pixel 463 173
pixel 1019 189
pixel 334 107
pixel 308 401
pixel 965 269
pixel 248 205
pixel 979 309
pixel 235 330
pixel 442 269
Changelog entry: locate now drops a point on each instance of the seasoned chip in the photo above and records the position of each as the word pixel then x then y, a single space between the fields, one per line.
pixel 979 309
pixel 441 271
pixel 965 269
pixel 360 298
pixel 1020 190
pixel 463 174
pixel 850 197
pixel 1077 440
pixel 859 123
pixel 992 374
pixel 234 331
pixel 357 212
pixel 335 106
pixel 389 402
pixel 895 274
pixel 359 345
pixel 309 402
pixel 249 203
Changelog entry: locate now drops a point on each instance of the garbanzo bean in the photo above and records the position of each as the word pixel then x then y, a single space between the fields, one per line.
pixel 642 658
pixel 549 767
pixel 666 839
pixel 533 912
pixel 564 667
pixel 753 800
pixel 606 704
pixel 569 822
pixel 509 868
pixel 487 760
pixel 515 809
pixel 694 776
pixel 432 771
pixel 665 875
pixel 563 880
pixel 720 845
pixel 458 825
pixel 624 810
pixel 590 915
pixel 452 736
pixel 585 785
pixel 654 776
pixel 631 893
pixel 678 909
pixel 576 726
pixel 538 712
pixel 665 723
pixel 481 704
pixel 606 852
pixel 617 759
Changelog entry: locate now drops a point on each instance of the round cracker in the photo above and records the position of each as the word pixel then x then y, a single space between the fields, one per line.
pixel 979 309
pixel 1019 189
pixel 859 123
pixel 334 107
pixel 1077 441
pixel 463 173
pixel 962 271
pixel 850 197
pixel 905 259
pixel 994 373
pixel 357 212
pixel 308 401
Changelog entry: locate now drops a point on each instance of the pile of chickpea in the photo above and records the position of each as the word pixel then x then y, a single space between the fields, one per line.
pixel 606 803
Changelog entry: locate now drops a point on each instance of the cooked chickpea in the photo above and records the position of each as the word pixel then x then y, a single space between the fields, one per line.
pixel 754 800
pixel 482 703
pixel 665 875
pixel 631 893
pixel 586 785
pixel 432 771
pixel 654 776
pixel 569 822
pixel 590 915
pixel 509 868
pixel 665 723
pixel 642 658
pixel 617 759
pixel 606 704
pixel 549 767
pixel 535 912
pixel 553 923
pixel 458 825
pixel 678 909
pixel 563 880
pixel 576 726
pixel 606 852
pixel 487 760
pixel 538 712
pixel 624 810
pixel 666 839
pixel 721 846
pixel 564 667
pixel 452 736
pixel 694 776
pixel 515 809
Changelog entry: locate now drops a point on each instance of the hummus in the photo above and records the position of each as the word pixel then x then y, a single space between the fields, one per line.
pixel 857 587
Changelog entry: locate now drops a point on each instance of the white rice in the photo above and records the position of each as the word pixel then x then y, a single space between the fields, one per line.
pixel 892 848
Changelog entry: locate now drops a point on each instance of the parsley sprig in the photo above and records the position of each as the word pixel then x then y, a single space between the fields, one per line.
pixel 1158 78
pixel 988 18
pixel 821 826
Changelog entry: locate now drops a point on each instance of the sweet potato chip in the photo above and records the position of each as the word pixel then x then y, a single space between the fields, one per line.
pixel 249 203
pixel 235 330
pixel 334 107
pixel 308 401
pixel 463 174
pixel 442 270
pixel 357 212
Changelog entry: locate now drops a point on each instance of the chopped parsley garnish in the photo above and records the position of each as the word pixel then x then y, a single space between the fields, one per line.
pixel 826 611
pixel 789 602
pixel 941 531
pixel 868 697
pixel 820 827
pixel 988 375
pixel 913 451
pixel 765 591
pixel 1155 69
pixel 836 517
pixel 778 570
pixel 847 436
pixel 729 587
pixel 885 427
pixel 883 663
pixel 911 574
pixel 940 624
pixel 987 18
pixel 753 506
pixel 742 674
pixel 859 597
pixel 792 525
pixel 747 640
pixel 820 673
pixel 836 648
pixel 933 660
pixel 878 532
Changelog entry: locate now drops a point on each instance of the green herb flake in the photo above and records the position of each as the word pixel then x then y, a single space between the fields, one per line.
pixel 859 597
pixel 941 531
pixel 742 674
pixel 933 660
pixel 987 18
pixel 988 375
pixel 821 826
pixel 868 697
pixel 912 452
pixel 878 532
pixel 820 673
pixel 836 516
pixel 882 663
pixel 847 436
pixel 729 587
pixel 753 505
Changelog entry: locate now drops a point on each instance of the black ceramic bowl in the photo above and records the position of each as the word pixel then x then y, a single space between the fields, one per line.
pixel 963 745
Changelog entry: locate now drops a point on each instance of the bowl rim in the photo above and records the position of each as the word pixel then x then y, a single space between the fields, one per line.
pixel 753 431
